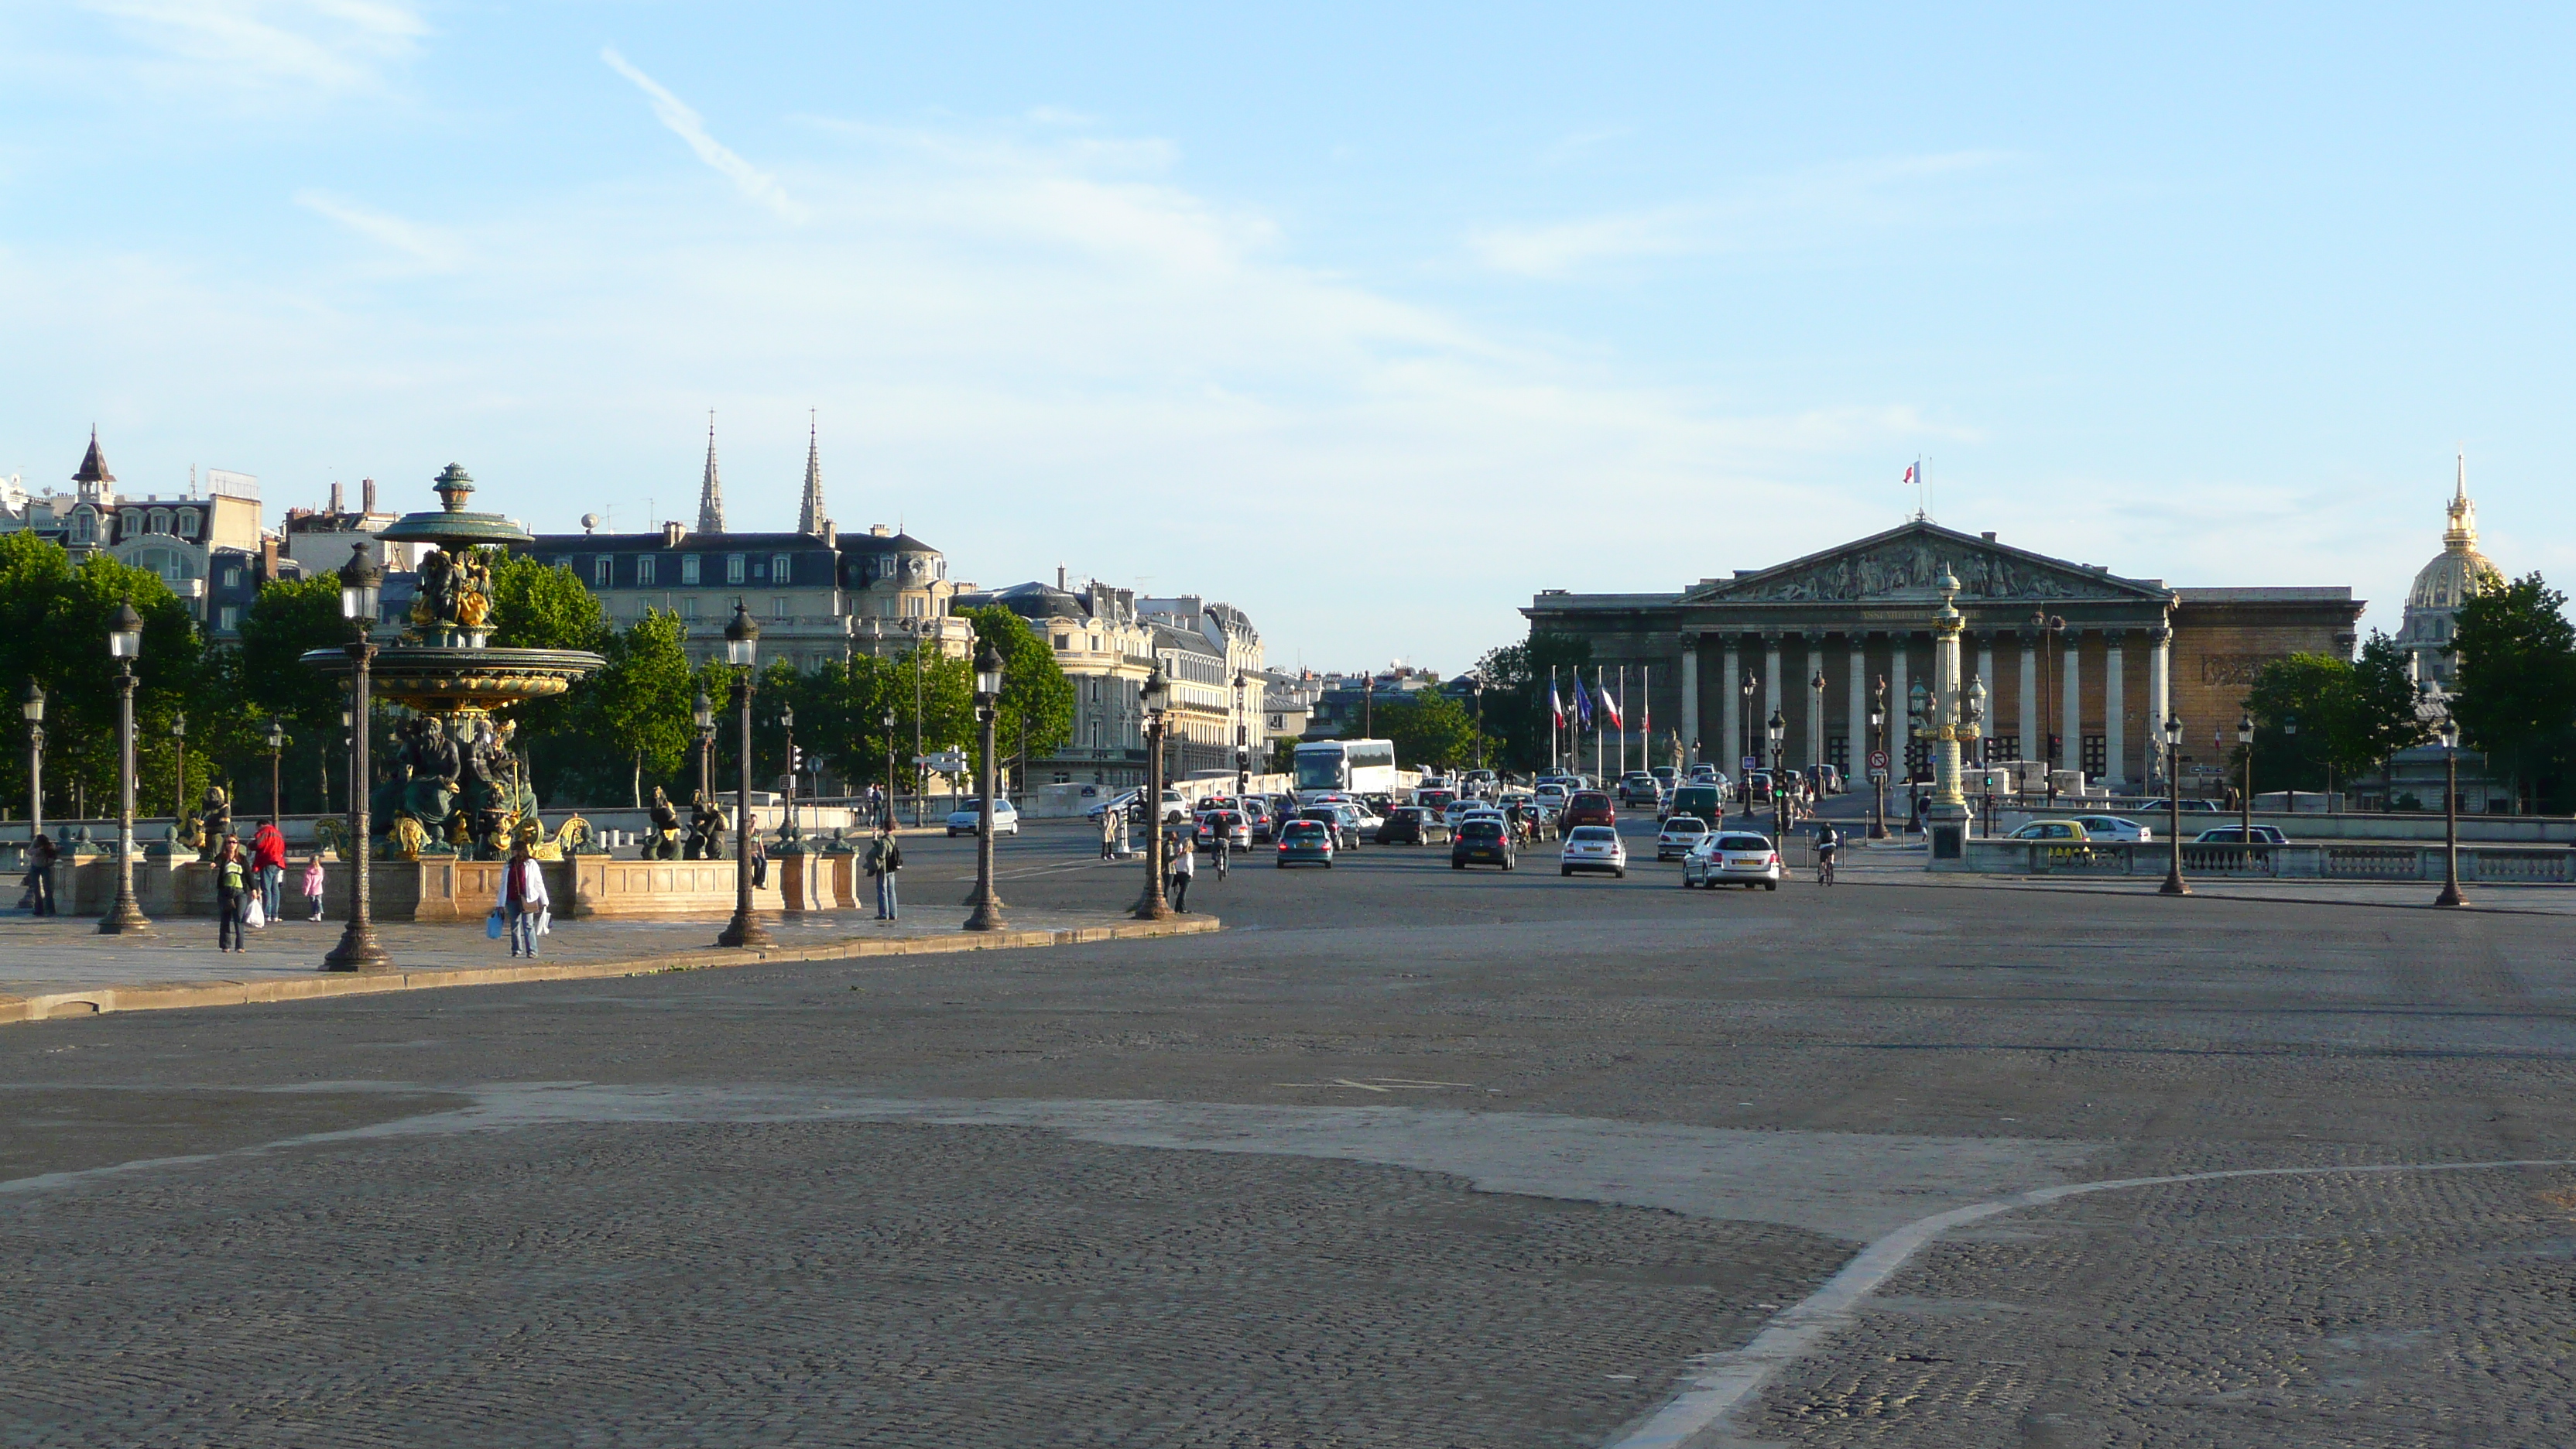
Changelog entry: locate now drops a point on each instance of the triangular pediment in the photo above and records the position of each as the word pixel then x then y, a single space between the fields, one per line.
pixel 1903 562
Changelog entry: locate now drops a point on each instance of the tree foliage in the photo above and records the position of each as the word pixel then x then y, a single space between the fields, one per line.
pixel 1429 730
pixel 643 701
pixel 1036 697
pixel 53 629
pixel 2516 654
pixel 1516 680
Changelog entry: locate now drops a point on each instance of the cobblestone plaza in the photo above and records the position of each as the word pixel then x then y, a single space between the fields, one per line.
pixel 1401 1157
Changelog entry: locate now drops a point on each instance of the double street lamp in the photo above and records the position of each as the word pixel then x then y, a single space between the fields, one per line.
pixel 1155 697
pixel 987 902
pixel 888 817
pixel 2245 804
pixel 1745 763
pixel 124 643
pixel 742 651
pixel 1878 749
pixel 1242 738
pixel 2174 884
pixel 360 582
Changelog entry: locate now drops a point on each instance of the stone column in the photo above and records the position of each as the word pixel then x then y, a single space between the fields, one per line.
pixel 1898 701
pixel 1770 699
pixel 1690 696
pixel 2033 746
pixel 1986 676
pixel 2159 682
pixel 2115 726
pixel 1856 715
pixel 1815 699
pixel 2070 694
pixel 1731 706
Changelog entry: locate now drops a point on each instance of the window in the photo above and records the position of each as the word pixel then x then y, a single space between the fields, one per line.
pixel 644 571
pixel 1838 753
pixel 232 578
pixel 231 616
pixel 188 523
pixel 2096 758
pixel 563 561
pixel 781 568
pixel 82 528
pixel 689 606
pixel 1063 641
pixel 603 572
pixel 160 521
pixel 689 569
pixel 733 568
pixel 2003 747
pixel 778 607
pixel 912 606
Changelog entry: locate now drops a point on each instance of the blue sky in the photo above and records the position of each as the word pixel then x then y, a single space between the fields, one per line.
pixel 1370 323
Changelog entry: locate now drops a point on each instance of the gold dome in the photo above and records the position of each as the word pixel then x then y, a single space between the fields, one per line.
pixel 2459 570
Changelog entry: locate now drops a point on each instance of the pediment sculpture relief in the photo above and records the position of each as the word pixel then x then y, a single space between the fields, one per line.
pixel 1913 564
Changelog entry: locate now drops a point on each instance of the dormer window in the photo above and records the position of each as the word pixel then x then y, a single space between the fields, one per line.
pixel 188 523
pixel 644 571
pixel 160 521
pixel 781 568
pixel 734 563
pixel 83 527
pixel 689 573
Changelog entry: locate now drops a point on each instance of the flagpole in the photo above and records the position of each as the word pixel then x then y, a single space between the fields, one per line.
pixel 1555 758
pixel 1645 717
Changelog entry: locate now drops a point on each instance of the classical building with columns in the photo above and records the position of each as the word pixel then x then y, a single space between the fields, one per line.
pixel 2064 648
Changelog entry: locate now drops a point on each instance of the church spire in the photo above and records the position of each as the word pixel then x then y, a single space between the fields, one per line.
pixel 810 519
pixel 93 476
pixel 2462 535
pixel 711 493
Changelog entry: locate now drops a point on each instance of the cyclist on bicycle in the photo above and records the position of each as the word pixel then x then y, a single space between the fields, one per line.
pixel 1829 843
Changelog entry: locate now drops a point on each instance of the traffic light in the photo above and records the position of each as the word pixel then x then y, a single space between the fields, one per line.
pixel 795 758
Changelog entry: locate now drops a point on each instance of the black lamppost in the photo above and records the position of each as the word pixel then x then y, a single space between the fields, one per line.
pixel 742 651
pixel 1778 727
pixel 1368 704
pixel 1878 748
pixel 702 712
pixel 889 738
pixel 2245 805
pixel 1476 687
pixel 1242 739
pixel 348 742
pixel 32 705
pixel 2174 884
pixel 2450 732
pixel 787 727
pixel 124 642
pixel 276 767
pixel 987 915
pixel 178 767
pixel 1816 728
pixel 1745 762
pixel 360 581
pixel 1156 694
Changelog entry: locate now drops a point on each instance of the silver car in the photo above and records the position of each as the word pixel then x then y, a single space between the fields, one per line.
pixel 1732 857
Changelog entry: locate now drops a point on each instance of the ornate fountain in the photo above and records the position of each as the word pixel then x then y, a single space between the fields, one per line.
pixel 458 789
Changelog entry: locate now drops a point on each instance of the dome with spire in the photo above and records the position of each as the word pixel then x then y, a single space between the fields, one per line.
pixel 2433 604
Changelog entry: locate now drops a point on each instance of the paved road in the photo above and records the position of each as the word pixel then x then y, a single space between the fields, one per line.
pixel 1408 1156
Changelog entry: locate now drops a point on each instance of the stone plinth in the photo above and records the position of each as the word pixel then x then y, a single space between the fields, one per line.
pixel 439 889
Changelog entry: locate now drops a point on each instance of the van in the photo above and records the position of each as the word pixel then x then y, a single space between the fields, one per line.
pixel 1702 801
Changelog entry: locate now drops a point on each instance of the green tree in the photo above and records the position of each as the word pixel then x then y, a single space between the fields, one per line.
pixel 2380 717
pixel 544 606
pixel 2516 656
pixel 642 700
pixel 53 629
pixel 1429 730
pixel 1036 709
pixel 1516 707
pixel 2299 705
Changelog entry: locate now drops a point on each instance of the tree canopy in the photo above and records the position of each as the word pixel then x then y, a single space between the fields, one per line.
pixel 1516 708
pixel 2516 655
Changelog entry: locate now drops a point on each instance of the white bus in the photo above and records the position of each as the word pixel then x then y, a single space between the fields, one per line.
pixel 1352 767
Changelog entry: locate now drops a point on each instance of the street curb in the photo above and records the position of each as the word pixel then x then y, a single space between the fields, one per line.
pixel 2031 883
pixel 176 995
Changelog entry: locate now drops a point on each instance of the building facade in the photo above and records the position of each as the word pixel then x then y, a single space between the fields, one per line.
pixel 2064 649
pixel 2433 604
pixel 1105 649
pixel 194 543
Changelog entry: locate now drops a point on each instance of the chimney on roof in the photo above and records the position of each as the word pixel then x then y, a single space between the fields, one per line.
pixel 267 557
pixel 335 496
pixel 1059 580
pixel 1988 535
pixel 879 530
pixel 831 534
pixel 366 495
pixel 672 533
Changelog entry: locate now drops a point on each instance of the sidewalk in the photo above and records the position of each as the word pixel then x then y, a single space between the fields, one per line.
pixel 61 966
pixel 1904 868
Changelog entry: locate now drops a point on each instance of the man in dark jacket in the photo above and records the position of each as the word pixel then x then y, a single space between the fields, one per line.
pixel 40 872
pixel 885 857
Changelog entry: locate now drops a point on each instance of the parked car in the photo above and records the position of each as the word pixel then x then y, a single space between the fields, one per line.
pixel 1585 808
pixel 1679 835
pixel 1637 788
pixel 1237 830
pixel 1485 840
pixel 2113 827
pixel 1593 847
pixel 1408 825
pixel 1006 819
pixel 2235 835
pixel 1305 842
pixel 1732 857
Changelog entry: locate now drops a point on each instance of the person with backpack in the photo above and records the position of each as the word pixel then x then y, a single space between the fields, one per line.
pixel 523 899
pixel 232 894
pixel 885 857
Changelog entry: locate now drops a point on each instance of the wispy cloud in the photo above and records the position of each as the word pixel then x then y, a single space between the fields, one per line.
pixel 332 45
pixel 1804 208
pixel 689 126
pixel 428 246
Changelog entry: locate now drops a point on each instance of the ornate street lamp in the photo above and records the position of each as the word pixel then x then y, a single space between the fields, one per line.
pixel 1918 723
pixel 987 915
pixel 1778 727
pixel 742 651
pixel 1878 773
pixel 702 712
pixel 1242 738
pixel 179 767
pixel 1975 730
pixel 32 705
pixel 2245 806
pixel 1816 725
pixel 2174 884
pixel 2048 626
pixel 1745 763
pixel 2449 729
pixel 1155 697
pixel 124 642
pixel 889 739
pixel 359 950
pixel 276 766
pixel 787 727
pixel 1476 687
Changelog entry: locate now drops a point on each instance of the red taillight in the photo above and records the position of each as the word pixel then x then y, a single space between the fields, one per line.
pixel 1775 857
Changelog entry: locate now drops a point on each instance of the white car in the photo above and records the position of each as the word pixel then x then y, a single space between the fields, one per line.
pixel 1006 820
pixel 2112 827
pixel 1679 835
pixel 1732 857
pixel 1593 847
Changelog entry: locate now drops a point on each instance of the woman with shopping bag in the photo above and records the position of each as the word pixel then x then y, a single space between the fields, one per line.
pixel 523 900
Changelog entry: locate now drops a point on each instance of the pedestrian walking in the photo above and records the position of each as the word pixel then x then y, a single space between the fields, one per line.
pixel 523 900
pixel 885 857
pixel 1109 832
pixel 1185 868
pixel 268 863
pixel 232 894
pixel 312 883
pixel 41 852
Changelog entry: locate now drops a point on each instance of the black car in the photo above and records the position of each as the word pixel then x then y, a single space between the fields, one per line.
pixel 1482 841
pixel 1406 825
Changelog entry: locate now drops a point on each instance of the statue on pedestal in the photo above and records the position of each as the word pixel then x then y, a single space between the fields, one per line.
pixel 665 842
pixel 706 829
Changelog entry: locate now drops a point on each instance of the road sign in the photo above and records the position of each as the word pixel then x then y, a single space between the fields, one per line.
pixel 951 763
pixel 1751 763
pixel 1878 759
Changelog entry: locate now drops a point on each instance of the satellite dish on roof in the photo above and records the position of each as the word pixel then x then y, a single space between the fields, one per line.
pixel 589 522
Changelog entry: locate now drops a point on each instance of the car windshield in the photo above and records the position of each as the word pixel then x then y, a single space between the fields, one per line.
pixel 1593 833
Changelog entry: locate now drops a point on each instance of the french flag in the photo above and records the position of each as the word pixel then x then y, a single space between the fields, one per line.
pixel 1610 708
pixel 1555 702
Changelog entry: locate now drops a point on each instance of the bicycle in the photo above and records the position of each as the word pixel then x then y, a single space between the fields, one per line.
pixel 1825 867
